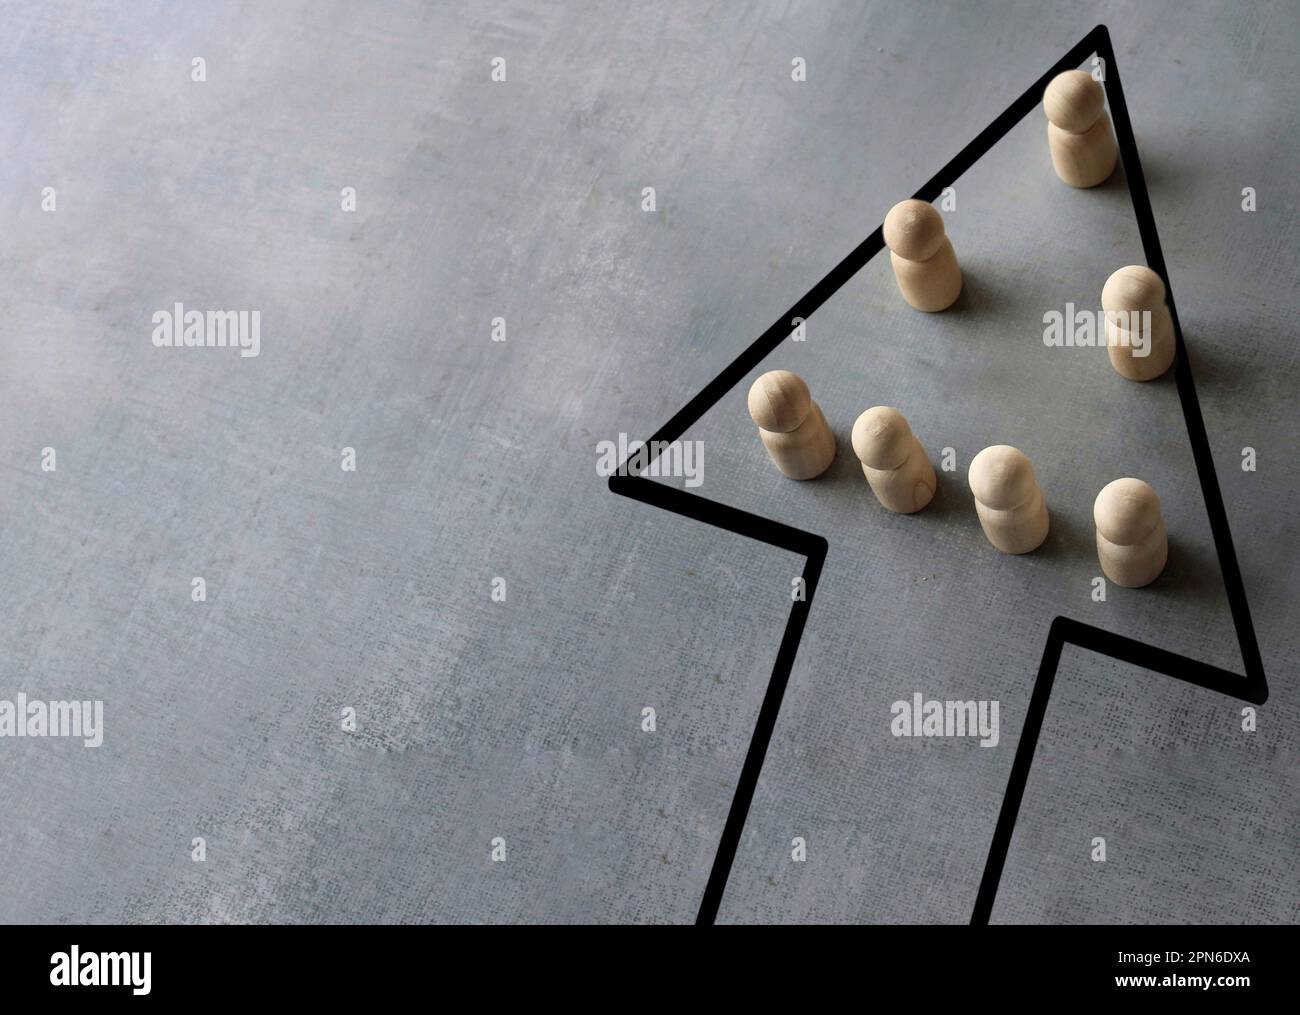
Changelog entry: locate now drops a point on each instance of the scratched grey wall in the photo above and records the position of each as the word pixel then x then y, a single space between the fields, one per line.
pixel 475 459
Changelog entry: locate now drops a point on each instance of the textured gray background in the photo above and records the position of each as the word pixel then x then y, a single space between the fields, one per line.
pixel 476 459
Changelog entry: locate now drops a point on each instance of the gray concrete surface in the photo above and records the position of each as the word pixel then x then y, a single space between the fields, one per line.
pixel 476 459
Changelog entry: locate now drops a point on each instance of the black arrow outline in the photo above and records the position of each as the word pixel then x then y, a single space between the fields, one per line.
pixel 1251 687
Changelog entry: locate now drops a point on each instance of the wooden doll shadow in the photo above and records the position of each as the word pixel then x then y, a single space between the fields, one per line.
pixel 1191 573
pixel 1069 540
pixel 1216 365
pixel 952 498
pixel 978 295
pixel 969 299
pixel 1117 181
pixel 1171 177
pixel 846 468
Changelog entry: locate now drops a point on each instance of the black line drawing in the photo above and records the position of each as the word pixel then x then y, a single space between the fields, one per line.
pixel 1251 687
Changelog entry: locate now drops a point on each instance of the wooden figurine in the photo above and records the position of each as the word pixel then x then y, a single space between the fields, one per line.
pixel 893 460
pixel 1131 542
pixel 791 425
pixel 1007 499
pixel 922 255
pixel 1079 137
pixel 1130 332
